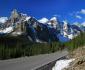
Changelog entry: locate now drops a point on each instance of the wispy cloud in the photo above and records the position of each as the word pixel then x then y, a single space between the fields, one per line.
pixel 75 15
pixel 57 15
pixel 82 11
pixel 78 16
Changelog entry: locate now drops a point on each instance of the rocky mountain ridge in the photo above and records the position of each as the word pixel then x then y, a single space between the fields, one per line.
pixel 38 30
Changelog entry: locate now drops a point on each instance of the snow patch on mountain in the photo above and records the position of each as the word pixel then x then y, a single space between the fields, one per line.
pixel 7 30
pixel 27 18
pixel 65 22
pixel 39 41
pixel 3 19
pixel 83 24
pixel 70 36
pixel 77 24
pixel 65 28
pixel 54 18
pixel 43 20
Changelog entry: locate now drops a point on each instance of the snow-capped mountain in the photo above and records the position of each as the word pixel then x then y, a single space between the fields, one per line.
pixel 43 20
pixel 53 22
pixel 43 30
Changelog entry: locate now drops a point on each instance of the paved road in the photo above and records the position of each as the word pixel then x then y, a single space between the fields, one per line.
pixel 32 62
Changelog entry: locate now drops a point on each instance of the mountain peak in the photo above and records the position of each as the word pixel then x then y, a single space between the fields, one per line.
pixel 43 20
pixel 14 14
pixel 65 22
pixel 54 18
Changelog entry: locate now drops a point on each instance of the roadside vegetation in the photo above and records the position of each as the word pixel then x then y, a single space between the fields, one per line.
pixel 13 47
pixel 78 41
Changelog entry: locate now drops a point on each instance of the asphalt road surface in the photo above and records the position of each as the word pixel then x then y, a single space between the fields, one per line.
pixel 32 62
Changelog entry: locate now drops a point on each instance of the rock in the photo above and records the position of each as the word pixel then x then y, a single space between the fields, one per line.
pixel 79 63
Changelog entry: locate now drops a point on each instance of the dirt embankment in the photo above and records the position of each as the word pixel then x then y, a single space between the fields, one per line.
pixel 79 62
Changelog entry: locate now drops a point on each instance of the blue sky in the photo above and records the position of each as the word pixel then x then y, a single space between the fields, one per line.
pixel 71 10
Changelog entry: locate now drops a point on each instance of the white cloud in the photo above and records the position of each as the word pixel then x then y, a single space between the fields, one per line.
pixel 78 16
pixel 82 11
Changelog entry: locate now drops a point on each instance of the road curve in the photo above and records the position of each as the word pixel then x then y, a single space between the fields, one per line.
pixel 32 62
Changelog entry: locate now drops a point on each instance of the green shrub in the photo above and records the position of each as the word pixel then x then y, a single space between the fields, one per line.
pixel 78 41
